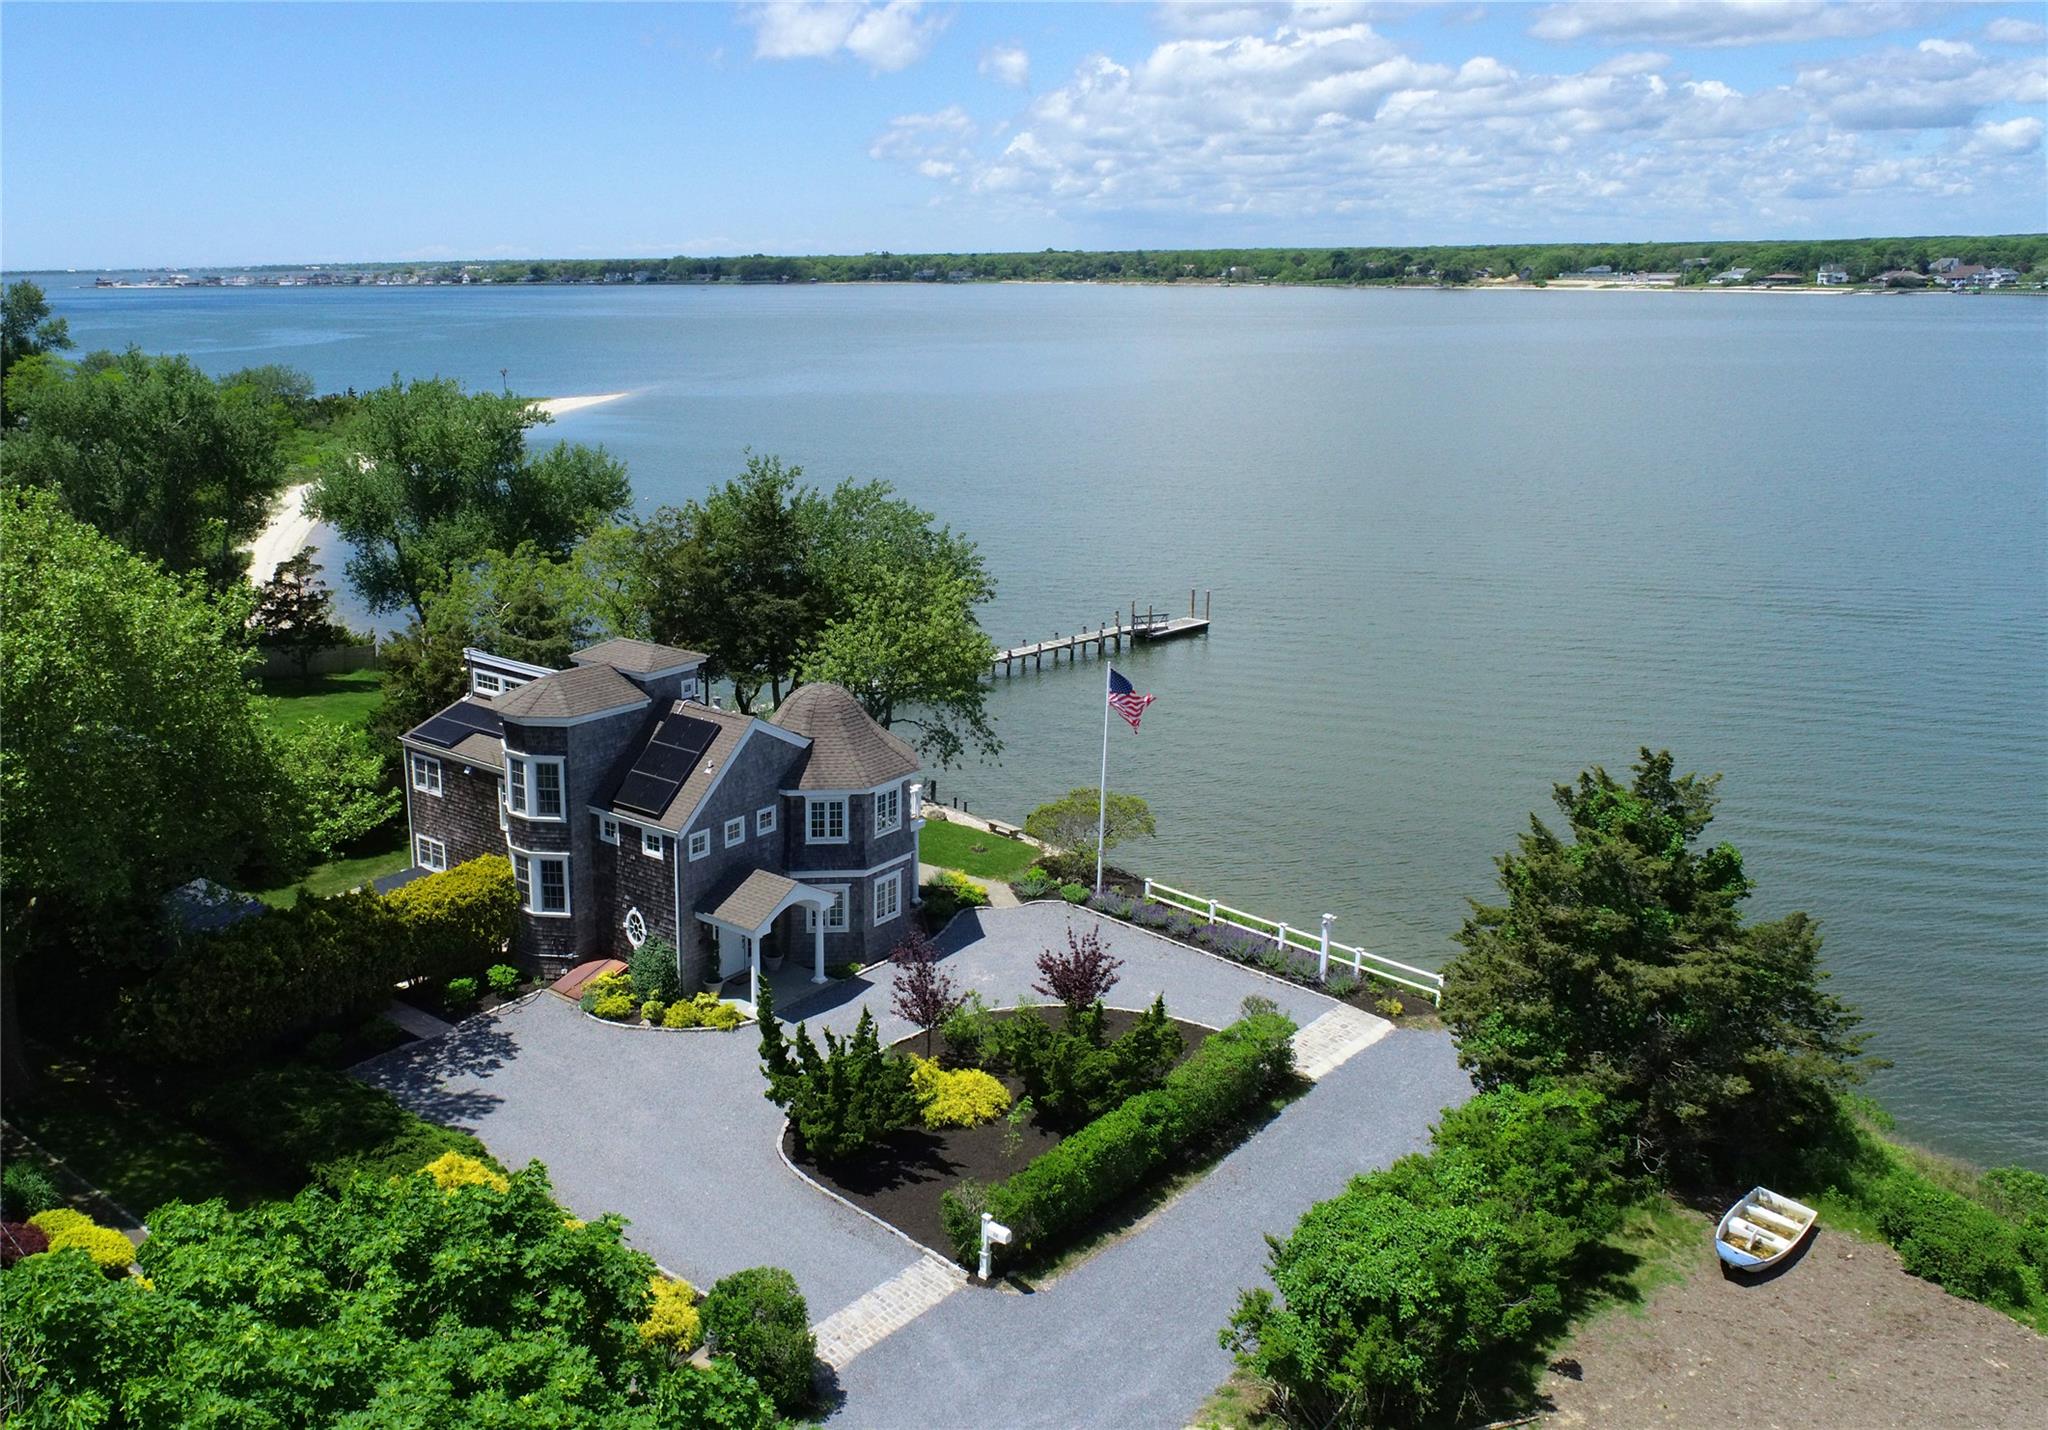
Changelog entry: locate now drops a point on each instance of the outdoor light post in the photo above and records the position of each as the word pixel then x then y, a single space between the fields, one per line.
pixel 993 1233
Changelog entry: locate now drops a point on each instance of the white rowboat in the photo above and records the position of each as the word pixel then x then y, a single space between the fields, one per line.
pixel 1762 1229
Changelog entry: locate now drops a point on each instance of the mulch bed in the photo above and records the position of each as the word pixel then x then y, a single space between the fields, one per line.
pixel 901 1179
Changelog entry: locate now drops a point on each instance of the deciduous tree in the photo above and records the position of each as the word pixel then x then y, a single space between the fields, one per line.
pixel 924 994
pixel 1068 825
pixel 1082 974
pixel 26 330
pixel 430 478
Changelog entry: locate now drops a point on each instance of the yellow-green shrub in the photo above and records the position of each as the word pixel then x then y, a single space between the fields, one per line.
pixel 653 1010
pixel 681 1014
pixel 451 1170
pixel 672 1319
pixel 456 923
pixel 614 1007
pixel 715 1013
pixel 964 1098
pixel 74 1231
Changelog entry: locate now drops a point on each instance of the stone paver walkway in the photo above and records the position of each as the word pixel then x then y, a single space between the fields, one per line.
pixel 416 1022
pixel 1334 1039
pixel 889 1307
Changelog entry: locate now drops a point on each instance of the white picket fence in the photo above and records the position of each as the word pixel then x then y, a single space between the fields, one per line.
pixel 1319 946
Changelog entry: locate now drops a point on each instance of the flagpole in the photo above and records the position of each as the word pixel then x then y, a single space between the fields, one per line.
pixel 1102 789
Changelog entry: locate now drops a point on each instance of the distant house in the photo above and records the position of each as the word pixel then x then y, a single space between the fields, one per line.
pixel 1730 276
pixel 1597 271
pixel 1901 278
pixel 1998 277
pixel 630 809
pixel 1832 275
pixel 1650 280
pixel 1780 280
pixel 1965 273
pixel 1945 266
pixel 1692 263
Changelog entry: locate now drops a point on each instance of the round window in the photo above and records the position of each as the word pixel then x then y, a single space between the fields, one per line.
pixel 636 928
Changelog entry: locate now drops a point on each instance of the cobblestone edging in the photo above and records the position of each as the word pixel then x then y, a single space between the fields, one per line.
pixel 887 1309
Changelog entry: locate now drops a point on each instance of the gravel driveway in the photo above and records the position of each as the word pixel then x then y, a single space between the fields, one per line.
pixel 671 1130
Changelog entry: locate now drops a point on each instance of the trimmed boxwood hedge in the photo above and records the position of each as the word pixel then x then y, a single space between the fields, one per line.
pixel 1111 1156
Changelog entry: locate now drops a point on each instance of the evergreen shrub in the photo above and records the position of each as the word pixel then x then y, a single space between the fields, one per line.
pixel 655 972
pixel 26 1189
pixel 759 1320
pixel 1951 1241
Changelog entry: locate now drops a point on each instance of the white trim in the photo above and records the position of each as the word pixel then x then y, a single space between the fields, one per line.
pixel 501 682
pixel 848 873
pixel 842 904
pixel 418 764
pixel 871 789
pixel 894 884
pixel 814 802
pixel 896 792
pixel 732 840
pixel 803 894
pixel 788 737
pixel 633 916
pixel 424 847
pixel 764 820
pixel 608 828
pixel 733 756
pixel 534 859
pixel 529 787
pixel 472 655
pixel 646 834
pixel 695 852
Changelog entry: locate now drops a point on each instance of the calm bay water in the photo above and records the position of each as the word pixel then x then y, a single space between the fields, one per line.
pixel 1461 545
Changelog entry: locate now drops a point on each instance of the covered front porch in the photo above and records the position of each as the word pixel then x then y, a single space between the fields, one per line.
pixel 743 923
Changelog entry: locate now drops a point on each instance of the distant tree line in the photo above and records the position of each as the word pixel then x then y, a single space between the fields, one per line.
pixel 1861 257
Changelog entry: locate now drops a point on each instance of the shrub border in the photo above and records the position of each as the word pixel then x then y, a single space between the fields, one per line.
pixel 746 1022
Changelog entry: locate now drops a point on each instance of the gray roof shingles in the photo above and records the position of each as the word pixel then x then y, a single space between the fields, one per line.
pixel 568 694
pixel 637 657
pixel 754 901
pixel 849 751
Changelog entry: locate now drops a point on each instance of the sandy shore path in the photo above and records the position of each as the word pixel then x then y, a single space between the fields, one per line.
pixel 292 527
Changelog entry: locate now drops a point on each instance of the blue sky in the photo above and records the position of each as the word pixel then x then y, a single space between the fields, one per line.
pixel 221 134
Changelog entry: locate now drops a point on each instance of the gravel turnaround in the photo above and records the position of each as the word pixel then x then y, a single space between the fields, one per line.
pixel 671 1130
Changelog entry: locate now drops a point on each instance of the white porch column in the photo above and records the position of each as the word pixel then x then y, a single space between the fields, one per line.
pixel 916 842
pixel 818 947
pixel 753 948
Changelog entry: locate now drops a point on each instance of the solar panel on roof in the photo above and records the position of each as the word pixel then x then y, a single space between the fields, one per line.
pixel 672 752
pixel 459 721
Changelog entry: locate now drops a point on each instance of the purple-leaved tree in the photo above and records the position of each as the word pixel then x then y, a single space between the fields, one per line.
pixel 1080 975
pixel 925 994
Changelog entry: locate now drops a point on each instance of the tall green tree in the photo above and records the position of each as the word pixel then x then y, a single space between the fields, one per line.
pixel 912 653
pixel 1621 961
pixel 26 330
pixel 154 453
pixel 1068 825
pixel 429 478
pixel 295 611
pixel 732 575
pixel 133 757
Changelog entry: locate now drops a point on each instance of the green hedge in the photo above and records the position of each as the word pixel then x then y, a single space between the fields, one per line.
pixel 1117 1152
pixel 245 988
pixel 1952 1241
pixel 308 1124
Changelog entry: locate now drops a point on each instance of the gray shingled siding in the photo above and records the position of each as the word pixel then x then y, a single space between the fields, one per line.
pixel 464 816
pixel 644 883
pixel 864 849
pixel 591 749
pixel 761 768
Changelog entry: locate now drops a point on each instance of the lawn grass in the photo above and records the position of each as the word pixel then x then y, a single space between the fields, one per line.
pixel 289 703
pixel 953 846
pixel 387 854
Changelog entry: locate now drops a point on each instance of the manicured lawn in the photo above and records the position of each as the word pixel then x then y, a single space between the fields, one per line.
pixel 345 699
pixel 388 856
pixel 974 851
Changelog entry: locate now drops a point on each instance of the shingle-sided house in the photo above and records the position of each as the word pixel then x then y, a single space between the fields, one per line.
pixel 631 809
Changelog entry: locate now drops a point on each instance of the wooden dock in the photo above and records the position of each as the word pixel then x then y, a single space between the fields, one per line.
pixel 1150 624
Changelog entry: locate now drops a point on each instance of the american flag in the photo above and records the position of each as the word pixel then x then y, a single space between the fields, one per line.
pixel 1127 701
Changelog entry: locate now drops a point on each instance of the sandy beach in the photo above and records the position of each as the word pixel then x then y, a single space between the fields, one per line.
pixel 292 527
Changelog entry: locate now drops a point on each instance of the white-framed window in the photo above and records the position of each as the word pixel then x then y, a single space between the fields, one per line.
pixel 426 774
pixel 835 917
pixel 764 820
pixel 826 819
pixel 543 881
pixel 489 683
pixel 736 831
pixel 700 843
pixel 636 928
pixel 429 852
pixel 691 689
pixel 650 843
pixel 889 810
pixel 534 786
pixel 888 898
pixel 504 819
pixel 607 829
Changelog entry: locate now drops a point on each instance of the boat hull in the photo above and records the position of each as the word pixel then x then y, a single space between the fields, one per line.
pixel 1761 1230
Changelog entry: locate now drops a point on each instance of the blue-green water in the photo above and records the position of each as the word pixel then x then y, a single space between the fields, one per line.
pixel 1462 545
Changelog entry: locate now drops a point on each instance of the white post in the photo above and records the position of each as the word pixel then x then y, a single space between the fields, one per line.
pixel 993 1233
pixel 1323 960
pixel 1280 939
pixel 1148 888
pixel 1102 793
pixel 753 949
pixel 1212 911
pixel 818 946
pixel 916 842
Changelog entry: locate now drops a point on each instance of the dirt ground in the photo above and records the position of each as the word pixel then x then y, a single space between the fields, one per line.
pixel 1842 1337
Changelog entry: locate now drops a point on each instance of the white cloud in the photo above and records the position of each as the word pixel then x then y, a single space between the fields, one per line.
pixel 889 36
pixel 1007 64
pixel 1297 126
pixel 2008 31
pixel 1701 23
